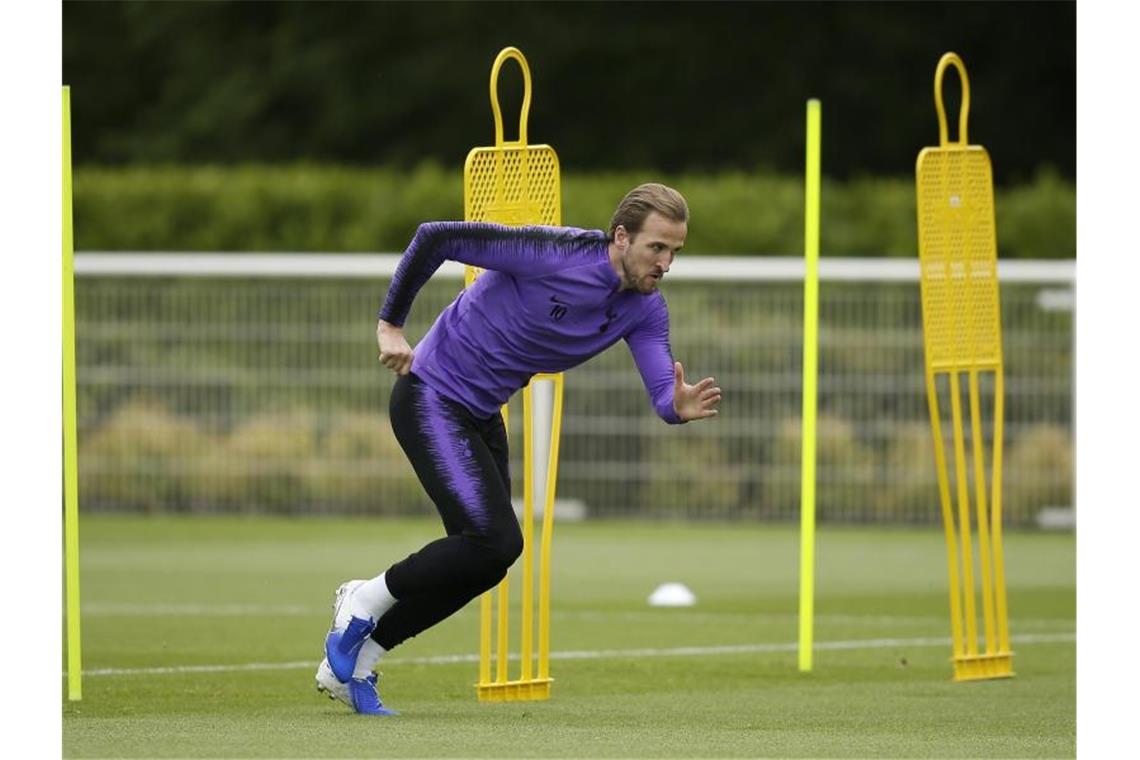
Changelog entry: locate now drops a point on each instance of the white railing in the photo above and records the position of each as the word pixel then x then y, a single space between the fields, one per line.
pixel 686 267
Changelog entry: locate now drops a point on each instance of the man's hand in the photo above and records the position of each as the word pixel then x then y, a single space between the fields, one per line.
pixel 694 402
pixel 395 353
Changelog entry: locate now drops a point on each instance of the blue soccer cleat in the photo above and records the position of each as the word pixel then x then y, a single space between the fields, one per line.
pixel 365 698
pixel 343 645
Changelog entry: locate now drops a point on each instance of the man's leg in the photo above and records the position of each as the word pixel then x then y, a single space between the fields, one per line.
pixel 462 463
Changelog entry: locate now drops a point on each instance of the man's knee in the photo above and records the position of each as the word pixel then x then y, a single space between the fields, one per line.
pixel 510 546
pixel 497 551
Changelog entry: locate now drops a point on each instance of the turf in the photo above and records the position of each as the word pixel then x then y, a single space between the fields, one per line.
pixel 165 597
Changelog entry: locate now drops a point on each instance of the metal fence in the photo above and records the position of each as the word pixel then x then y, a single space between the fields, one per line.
pixel 216 383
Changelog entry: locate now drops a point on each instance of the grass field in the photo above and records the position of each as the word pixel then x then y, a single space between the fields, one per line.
pixel 201 637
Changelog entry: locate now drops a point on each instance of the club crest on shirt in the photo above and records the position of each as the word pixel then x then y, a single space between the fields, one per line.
pixel 611 314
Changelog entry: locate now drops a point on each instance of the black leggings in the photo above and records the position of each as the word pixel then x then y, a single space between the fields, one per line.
pixel 461 460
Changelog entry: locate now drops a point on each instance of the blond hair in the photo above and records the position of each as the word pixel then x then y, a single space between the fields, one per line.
pixel 644 199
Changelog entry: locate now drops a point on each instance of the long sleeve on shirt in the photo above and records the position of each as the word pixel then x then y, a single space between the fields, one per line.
pixel 525 252
pixel 548 301
pixel 649 344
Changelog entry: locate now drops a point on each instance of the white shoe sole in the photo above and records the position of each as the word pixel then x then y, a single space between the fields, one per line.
pixel 327 682
pixel 329 686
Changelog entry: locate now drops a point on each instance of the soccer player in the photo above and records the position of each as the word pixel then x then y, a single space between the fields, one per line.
pixel 550 298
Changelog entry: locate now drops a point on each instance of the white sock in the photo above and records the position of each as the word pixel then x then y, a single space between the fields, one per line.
pixel 370 654
pixel 371 599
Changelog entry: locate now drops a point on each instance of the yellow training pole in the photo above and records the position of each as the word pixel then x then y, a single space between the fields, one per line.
pixel 485 638
pixel 947 515
pixel 548 536
pixel 963 492
pixel 811 356
pixel 70 428
pixel 995 514
pixel 985 551
pixel 504 639
pixel 526 642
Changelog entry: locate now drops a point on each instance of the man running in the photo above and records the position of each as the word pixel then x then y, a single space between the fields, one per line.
pixel 550 298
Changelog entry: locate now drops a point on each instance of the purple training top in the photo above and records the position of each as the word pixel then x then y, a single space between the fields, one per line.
pixel 549 300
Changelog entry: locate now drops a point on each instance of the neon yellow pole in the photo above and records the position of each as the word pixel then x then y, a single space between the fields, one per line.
pixel 811 360
pixel 70 429
pixel 526 642
pixel 545 548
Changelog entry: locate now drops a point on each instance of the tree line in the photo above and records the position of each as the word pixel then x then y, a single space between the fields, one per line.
pixel 704 87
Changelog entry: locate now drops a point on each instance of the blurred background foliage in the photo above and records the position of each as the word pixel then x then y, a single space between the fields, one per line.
pixel 341 125
pixel 677 87
pixel 322 208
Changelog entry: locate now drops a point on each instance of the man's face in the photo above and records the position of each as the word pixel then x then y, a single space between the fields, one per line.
pixel 647 256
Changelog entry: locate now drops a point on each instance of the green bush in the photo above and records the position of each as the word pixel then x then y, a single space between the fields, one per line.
pixel 844 467
pixel 143 457
pixel 911 475
pixel 1037 472
pixel 293 208
pixel 360 463
pixel 1038 220
pixel 696 475
pixel 262 464
pixel 327 208
pixel 137 459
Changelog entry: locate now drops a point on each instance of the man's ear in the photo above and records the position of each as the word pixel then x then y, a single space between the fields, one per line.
pixel 621 237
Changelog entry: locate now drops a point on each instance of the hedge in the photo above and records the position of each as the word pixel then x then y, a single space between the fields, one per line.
pixel 299 461
pixel 326 208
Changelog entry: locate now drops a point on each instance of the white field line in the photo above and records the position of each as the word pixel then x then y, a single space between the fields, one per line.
pixel 129 609
pixel 686 616
pixel 112 609
pixel 597 654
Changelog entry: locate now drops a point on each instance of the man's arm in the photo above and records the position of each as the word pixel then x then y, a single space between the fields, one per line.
pixel 521 251
pixel 395 353
pixel 675 400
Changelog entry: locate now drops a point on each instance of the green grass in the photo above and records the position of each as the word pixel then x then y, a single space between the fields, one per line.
pixel 172 593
